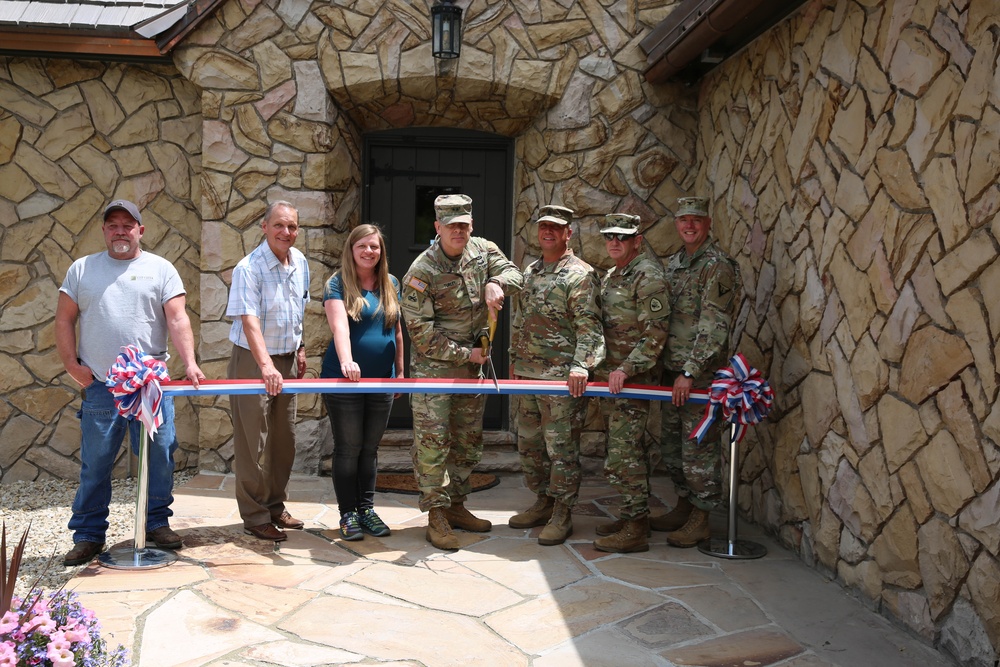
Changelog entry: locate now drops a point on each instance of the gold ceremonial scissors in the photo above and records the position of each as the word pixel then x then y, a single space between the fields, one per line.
pixel 486 343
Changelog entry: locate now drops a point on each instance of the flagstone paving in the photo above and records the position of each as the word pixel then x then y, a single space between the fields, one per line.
pixel 234 601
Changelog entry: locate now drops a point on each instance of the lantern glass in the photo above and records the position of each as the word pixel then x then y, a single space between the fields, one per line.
pixel 446 30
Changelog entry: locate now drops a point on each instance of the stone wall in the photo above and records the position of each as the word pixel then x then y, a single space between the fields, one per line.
pixel 852 152
pixel 74 136
pixel 268 100
pixel 288 90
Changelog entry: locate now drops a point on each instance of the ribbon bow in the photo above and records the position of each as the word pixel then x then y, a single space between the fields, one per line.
pixel 741 394
pixel 134 380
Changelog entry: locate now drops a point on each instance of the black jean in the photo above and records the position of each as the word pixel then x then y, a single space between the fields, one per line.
pixel 358 422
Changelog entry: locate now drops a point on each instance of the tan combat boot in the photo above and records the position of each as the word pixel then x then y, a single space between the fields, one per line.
pixel 536 515
pixel 609 527
pixel 673 519
pixel 631 538
pixel 612 527
pixel 439 530
pixel 559 527
pixel 459 517
pixel 692 532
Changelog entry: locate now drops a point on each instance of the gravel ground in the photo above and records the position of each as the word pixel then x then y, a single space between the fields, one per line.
pixel 45 505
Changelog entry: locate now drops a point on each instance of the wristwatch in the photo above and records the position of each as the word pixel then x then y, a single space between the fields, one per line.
pixel 687 375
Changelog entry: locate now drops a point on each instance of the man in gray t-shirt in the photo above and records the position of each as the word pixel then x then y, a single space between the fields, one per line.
pixel 124 296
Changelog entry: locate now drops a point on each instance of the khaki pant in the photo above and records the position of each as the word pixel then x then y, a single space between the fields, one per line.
pixel 263 440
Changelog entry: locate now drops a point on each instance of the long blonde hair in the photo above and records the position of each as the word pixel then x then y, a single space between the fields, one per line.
pixel 354 301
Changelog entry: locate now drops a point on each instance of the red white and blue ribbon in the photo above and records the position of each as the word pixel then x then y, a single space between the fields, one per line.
pixel 134 380
pixel 424 386
pixel 740 394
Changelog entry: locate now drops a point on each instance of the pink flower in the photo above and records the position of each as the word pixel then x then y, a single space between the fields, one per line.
pixel 58 640
pixel 60 657
pixel 43 623
pixel 7 656
pixel 77 635
pixel 8 622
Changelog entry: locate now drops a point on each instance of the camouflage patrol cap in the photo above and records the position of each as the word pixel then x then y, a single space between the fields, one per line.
pixel 453 208
pixel 692 206
pixel 621 223
pixel 555 213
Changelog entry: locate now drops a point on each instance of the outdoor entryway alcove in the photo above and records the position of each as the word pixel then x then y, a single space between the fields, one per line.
pixel 404 170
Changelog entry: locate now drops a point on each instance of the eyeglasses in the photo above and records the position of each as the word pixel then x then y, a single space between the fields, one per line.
pixel 617 237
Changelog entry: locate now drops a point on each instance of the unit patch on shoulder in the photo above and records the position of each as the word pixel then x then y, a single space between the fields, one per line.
pixel 417 284
pixel 654 305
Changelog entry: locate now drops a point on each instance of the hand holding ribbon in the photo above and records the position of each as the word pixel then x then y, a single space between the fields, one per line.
pixel 134 380
pixel 741 394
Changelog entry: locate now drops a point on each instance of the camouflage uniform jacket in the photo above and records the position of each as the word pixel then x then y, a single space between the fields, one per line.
pixel 706 292
pixel 557 323
pixel 444 306
pixel 635 303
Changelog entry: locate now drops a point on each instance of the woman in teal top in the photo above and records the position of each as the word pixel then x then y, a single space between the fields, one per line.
pixel 362 307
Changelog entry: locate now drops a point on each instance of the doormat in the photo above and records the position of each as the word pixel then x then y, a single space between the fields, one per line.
pixel 406 483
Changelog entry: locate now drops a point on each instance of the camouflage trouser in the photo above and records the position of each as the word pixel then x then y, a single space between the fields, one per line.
pixel 447 445
pixel 548 440
pixel 626 466
pixel 696 468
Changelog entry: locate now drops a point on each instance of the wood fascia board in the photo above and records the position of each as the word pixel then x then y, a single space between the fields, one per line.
pixel 22 41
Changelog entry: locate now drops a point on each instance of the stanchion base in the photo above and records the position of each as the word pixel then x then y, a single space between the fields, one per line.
pixel 738 550
pixel 130 558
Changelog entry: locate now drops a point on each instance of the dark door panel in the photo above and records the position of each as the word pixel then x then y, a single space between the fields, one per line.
pixel 405 172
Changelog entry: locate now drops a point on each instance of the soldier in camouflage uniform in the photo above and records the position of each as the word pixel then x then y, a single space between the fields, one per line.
pixel 557 336
pixel 705 289
pixel 446 298
pixel 635 311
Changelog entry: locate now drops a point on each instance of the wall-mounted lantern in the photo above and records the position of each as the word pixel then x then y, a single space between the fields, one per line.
pixel 446 30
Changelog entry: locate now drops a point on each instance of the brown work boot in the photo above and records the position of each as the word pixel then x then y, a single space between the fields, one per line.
pixel 559 527
pixel 692 532
pixel 164 538
pixel 439 530
pixel 459 517
pixel 633 536
pixel 536 515
pixel 673 519
pixel 82 552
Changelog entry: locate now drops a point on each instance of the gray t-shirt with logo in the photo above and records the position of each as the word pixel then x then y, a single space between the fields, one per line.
pixel 121 303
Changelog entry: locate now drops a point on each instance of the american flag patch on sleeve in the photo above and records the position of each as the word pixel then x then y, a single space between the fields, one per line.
pixel 417 284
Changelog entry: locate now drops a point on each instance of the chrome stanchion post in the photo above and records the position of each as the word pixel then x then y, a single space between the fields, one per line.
pixel 731 547
pixel 139 557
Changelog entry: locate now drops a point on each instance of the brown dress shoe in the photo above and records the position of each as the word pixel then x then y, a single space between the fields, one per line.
pixel 164 538
pixel 266 531
pixel 286 520
pixel 82 552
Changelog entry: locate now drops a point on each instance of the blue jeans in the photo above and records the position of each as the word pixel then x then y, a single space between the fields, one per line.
pixel 102 433
pixel 358 422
